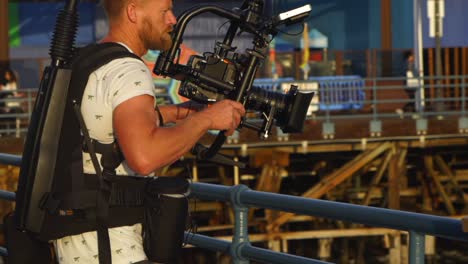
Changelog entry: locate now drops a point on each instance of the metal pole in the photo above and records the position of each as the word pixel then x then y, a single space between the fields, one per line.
pixel 9 159
pixel 6 195
pixel 241 232
pixel 438 41
pixel 418 51
pixel 3 252
pixel 416 254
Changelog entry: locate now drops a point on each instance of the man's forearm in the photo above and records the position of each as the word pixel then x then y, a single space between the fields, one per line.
pixel 172 113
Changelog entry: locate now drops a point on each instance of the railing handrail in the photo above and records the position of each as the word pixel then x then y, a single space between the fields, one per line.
pixel 247 251
pixel 394 219
pixel 10 159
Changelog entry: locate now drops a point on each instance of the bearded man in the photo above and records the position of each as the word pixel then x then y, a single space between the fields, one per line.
pixel 119 104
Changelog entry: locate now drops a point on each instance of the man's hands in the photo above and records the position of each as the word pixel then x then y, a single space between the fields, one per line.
pixel 224 115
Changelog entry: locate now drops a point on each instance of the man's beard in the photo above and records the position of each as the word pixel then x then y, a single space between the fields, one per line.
pixel 152 40
pixel 166 41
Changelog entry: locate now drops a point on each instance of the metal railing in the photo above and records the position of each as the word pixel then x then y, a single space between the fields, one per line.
pixel 15 111
pixel 241 198
pixel 338 98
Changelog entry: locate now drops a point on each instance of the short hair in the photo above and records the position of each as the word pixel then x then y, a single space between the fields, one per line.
pixel 408 54
pixel 113 7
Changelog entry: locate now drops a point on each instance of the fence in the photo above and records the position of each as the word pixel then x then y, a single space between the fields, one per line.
pixel 241 198
pixel 15 111
pixel 337 98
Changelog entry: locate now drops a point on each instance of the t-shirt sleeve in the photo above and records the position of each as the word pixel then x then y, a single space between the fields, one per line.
pixel 131 78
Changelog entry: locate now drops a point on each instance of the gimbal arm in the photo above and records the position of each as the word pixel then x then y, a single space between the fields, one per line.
pixel 165 63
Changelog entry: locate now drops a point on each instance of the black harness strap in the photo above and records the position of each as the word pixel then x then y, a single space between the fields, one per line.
pixel 98 55
pixel 102 197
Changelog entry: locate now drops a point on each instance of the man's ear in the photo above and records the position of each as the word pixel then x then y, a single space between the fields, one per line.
pixel 131 11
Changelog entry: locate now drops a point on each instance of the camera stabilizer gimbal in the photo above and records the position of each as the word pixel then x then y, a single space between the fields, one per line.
pixel 225 74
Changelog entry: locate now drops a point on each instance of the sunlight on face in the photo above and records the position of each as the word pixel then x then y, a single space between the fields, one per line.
pixel 157 24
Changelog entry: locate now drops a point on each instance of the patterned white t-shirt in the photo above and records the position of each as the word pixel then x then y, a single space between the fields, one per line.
pixel 107 87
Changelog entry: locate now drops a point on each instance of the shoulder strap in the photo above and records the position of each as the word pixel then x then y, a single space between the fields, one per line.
pixel 91 58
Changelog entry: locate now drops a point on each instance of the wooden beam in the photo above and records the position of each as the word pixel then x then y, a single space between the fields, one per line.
pixel 275 157
pixel 331 233
pixel 369 66
pixel 339 62
pixel 376 59
pixel 431 63
pixel 456 71
pixel 377 177
pixel 465 65
pixel 394 251
pixel 444 168
pixel 4 39
pixel 386 24
pixel 448 82
pixel 464 61
pixel 335 178
pixel 394 182
pixel 429 164
pixel 386 34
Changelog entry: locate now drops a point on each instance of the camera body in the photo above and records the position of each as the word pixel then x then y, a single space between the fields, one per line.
pixel 219 78
pixel 209 65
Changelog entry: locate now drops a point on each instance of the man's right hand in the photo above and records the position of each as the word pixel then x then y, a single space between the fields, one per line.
pixel 224 115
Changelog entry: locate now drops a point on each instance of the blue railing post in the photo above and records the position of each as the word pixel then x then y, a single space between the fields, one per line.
pixel 241 231
pixel 416 248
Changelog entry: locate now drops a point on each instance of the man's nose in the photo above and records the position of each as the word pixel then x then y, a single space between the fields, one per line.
pixel 172 20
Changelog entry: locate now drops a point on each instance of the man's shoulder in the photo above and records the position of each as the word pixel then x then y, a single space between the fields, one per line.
pixel 122 64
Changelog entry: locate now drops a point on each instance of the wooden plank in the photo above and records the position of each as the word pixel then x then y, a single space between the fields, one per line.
pixel 335 178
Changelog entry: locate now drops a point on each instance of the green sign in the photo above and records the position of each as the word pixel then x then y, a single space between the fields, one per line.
pixel 14 26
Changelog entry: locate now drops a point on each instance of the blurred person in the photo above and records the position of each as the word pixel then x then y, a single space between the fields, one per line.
pixel 9 91
pixel 411 83
pixel 121 94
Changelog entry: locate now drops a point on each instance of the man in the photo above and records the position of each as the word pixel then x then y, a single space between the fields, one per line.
pixel 119 103
pixel 411 81
pixel 411 85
